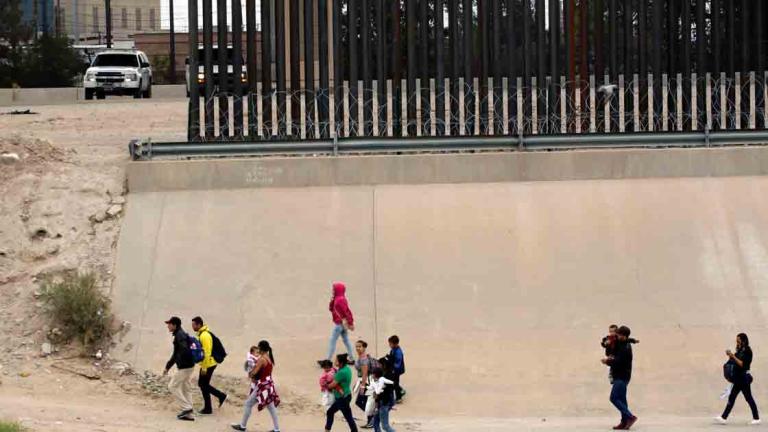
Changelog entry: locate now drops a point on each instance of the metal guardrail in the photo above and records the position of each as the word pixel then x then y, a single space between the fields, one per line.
pixel 143 150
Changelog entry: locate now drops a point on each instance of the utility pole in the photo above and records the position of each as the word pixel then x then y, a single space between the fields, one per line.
pixel 172 62
pixel 108 17
pixel 58 18
pixel 75 21
pixel 44 10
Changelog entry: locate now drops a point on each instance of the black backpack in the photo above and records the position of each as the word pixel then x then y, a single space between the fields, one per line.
pixel 729 370
pixel 373 364
pixel 217 350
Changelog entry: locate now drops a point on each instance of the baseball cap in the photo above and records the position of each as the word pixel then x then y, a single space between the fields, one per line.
pixel 174 320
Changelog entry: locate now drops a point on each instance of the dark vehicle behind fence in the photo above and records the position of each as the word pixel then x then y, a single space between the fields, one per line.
pixel 231 79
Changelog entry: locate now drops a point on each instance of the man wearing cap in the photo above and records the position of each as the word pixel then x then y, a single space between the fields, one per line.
pixel 180 385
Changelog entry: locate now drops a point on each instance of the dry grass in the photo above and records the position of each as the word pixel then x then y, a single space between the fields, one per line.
pixel 77 306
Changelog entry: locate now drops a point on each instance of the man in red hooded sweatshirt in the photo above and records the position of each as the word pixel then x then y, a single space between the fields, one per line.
pixel 343 321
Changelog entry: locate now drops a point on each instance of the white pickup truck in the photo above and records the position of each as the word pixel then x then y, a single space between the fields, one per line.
pixel 119 72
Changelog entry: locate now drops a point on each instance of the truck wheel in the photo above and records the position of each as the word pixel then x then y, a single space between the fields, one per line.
pixel 88 94
pixel 138 92
pixel 100 94
pixel 148 93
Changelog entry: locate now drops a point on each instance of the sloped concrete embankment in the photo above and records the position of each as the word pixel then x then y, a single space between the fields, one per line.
pixel 500 289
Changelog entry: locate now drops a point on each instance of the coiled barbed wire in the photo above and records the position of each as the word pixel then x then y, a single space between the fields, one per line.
pixel 639 105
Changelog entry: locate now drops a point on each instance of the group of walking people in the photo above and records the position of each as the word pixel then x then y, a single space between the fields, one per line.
pixel 374 385
pixel 205 349
pixel 618 357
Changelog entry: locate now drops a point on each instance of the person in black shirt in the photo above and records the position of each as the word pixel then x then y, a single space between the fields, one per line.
pixel 620 362
pixel 742 379
pixel 180 384
pixel 609 343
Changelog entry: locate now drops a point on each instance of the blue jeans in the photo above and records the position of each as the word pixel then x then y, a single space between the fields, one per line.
pixel 339 330
pixel 619 399
pixel 381 419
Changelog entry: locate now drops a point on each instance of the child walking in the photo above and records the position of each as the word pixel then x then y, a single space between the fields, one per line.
pixel 384 393
pixel 397 360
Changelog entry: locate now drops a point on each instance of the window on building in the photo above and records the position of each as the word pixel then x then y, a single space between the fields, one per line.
pixel 95 15
pixel 124 18
pixel 152 23
pixel 138 19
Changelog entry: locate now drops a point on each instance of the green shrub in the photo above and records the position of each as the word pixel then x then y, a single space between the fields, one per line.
pixel 78 308
pixel 10 427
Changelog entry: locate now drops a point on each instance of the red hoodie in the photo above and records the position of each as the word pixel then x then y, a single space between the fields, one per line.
pixel 339 306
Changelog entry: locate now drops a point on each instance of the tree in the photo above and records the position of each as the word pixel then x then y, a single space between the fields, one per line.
pixel 13 32
pixel 47 62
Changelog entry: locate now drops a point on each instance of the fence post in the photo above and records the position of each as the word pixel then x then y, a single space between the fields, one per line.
pixel 622 104
pixel 447 106
pixel 390 110
pixel 259 111
pixel 664 102
pixel 765 100
pixel 193 129
pixel 563 106
pixel 519 96
pixel 752 101
pixel 346 108
pixel 592 105
pixel 708 101
pixel 505 105
pixel 405 104
pixel 608 104
pixel 375 109
pixel 361 119
pixel 303 115
pixel 651 112
pixel 694 102
pixel 462 108
pixel 237 69
pixel 476 109
pixel 273 98
pixel 491 109
pixel 679 102
pixel 577 107
pixel 534 106
pixel 636 102
pixel 419 100
pixel 738 101
pixel 724 108
pixel 433 115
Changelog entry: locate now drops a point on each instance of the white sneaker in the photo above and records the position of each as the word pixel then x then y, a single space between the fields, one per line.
pixel 755 422
pixel 721 420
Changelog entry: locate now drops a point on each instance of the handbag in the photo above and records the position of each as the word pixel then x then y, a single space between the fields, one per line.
pixel 729 371
pixel 370 406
